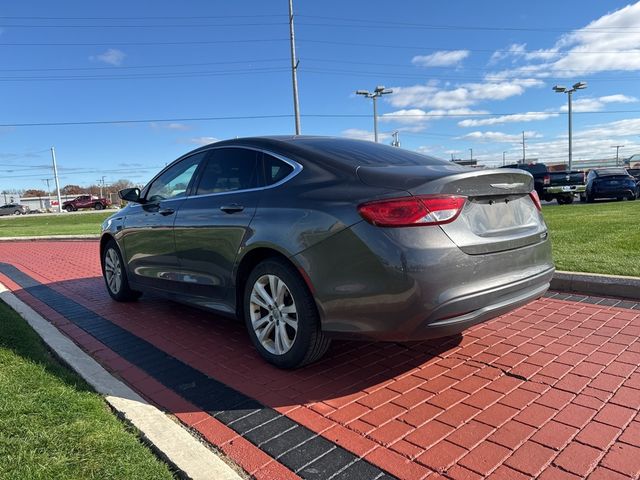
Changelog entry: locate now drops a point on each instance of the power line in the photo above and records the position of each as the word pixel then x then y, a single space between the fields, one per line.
pixel 421 47
pixel 385 22
pixel 489 78
pixel 129 67
pixel 172 17
pixel 317 115
pixel 159 25
pixel 122 44
pixel 146 75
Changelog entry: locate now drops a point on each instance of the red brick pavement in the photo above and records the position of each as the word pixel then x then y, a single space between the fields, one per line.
pixel 550 390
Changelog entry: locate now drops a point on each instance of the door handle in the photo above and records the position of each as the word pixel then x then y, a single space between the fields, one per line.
pixel 166 211
pixel 233 208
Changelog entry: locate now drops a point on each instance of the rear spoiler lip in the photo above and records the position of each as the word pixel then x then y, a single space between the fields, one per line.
pixel 471 183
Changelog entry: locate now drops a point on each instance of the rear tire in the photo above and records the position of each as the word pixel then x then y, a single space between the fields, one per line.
pixel 115 274
pixel 281 316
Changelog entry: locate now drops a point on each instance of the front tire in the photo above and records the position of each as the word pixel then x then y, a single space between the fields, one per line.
pixel 98 206
pixel 115 274
pixel 281 316
pixel 17 212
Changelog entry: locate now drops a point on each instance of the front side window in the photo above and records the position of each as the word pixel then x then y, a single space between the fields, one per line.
pixel 275 170
pixel 173 182
pixel 229 169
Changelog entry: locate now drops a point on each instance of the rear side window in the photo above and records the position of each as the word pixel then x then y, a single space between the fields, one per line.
pixel 229 169
pixel 275 170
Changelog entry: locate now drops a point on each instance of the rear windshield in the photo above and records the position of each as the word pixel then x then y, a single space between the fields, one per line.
pixel 361 153
pixel 607 172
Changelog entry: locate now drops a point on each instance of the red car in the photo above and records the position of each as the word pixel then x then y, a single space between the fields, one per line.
pixel 86 201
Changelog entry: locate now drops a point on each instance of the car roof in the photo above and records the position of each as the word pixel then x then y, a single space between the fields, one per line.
pixel 341 150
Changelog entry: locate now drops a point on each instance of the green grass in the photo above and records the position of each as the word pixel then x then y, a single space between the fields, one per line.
pixel 52 426
pixel 602 237
pixel 64 224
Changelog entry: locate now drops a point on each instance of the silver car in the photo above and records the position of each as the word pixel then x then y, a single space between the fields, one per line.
pixel 312 238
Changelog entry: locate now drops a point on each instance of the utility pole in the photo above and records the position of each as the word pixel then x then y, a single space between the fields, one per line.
pixel 55 176
pixel 101 183
pixel 524 149
pixel 617 147
pixel 378 92
pixel 504 162
pixel 471 154
pixel 48 190
pixel 294 68
pixel 396 139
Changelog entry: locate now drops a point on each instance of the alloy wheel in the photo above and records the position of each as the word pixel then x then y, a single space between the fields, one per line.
pixel 273 314
pixel 113 270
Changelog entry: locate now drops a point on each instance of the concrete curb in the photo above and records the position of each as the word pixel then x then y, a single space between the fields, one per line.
pixel 597 284
pixel 176 445
pixel 50 237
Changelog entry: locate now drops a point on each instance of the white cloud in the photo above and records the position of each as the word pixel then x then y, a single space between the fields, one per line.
pixel 431 96
pixel 610 43
pixel 170 126
pixel 443 58
pixel 590 143
pixel 513 118
pixel 518 51
pixel 597 104
pixel 360 134
pixel 499 137
pixel 203 140
pixel 112 56
pixel 416 117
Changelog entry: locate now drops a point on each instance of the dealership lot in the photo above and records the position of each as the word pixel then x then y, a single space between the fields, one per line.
pixel 552 389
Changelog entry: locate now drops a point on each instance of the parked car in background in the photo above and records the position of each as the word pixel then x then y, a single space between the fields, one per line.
pixel 610 183
pixel 86 201
pixel 14 209
pixel 561 186
pixel 635 173
pixel 309 238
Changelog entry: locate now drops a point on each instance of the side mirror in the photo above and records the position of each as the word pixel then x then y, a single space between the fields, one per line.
pixel 130 195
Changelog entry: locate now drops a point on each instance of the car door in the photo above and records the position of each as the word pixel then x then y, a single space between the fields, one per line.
pixel 149 242
pixel 212 223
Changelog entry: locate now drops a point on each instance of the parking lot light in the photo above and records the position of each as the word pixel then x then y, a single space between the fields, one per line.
pixel 377 92
pixel 569 92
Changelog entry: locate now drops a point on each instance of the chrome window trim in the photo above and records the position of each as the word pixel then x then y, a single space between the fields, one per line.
pixel 297 168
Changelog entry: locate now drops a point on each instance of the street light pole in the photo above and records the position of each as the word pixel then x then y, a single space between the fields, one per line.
pixel 471 154
pixel 569 92
pixel 503 159
pixel 294 68
pixel 55 176
pixel 378 92
pixel 617 147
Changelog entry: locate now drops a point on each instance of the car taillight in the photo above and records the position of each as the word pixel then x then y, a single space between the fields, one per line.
pixel 536 199
pixel 546 180
pixel 414 211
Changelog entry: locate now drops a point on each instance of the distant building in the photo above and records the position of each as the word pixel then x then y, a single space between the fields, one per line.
pixel 466 163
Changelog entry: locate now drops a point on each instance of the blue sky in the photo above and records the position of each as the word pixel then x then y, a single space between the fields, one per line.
pixel 465 74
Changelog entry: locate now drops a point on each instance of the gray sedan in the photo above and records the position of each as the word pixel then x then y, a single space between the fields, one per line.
pixel 13 209
pixel 312 238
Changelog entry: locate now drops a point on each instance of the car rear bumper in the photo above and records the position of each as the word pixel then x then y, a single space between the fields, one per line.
pixel 613 193
pixel 564 189
pixel 415 283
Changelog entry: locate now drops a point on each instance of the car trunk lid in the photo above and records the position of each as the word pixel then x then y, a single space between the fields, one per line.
pixel 498 215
